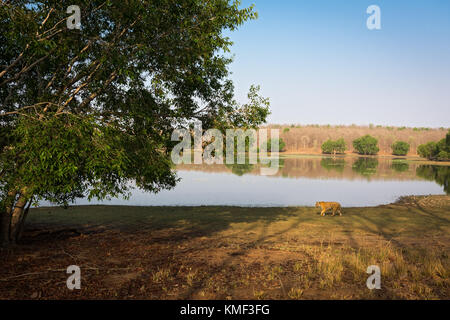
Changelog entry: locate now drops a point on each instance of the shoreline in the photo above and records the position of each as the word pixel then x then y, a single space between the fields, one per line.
pixel 355 155
pixel 218 206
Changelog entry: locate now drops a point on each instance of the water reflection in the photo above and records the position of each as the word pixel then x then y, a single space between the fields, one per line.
pixel 440 174
pixel 329 164
pixel 365 166
pixel 353 181
pixel 240 169
pixel 400 166
pixel 345 168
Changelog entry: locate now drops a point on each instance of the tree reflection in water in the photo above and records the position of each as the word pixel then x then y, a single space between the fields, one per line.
pixel 439 174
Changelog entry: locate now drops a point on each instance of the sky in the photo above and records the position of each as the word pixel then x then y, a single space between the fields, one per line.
pixel 319 63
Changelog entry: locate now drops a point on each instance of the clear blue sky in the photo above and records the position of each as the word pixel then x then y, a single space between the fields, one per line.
pixel 318 63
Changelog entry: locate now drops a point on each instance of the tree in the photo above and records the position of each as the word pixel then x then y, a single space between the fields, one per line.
pixel 86 112
pixel 400 148
pixel 334 147
pixel 439 151
pixel 427 150
pixel 366 145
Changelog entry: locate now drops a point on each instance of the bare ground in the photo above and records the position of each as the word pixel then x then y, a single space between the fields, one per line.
pixel 233 253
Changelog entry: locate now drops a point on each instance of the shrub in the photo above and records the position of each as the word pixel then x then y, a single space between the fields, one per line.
pixel 436 150
pixel 443 156
pixel 366 145
pixel 400 148
pixel 285 130
pixel 334 147
pixel 427 150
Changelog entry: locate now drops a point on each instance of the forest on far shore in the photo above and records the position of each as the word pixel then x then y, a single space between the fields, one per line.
pixel 308 139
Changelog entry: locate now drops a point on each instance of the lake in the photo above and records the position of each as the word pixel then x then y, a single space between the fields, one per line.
pixel 300 181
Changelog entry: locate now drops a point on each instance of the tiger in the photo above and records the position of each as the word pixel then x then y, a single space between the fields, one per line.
pixel 335 206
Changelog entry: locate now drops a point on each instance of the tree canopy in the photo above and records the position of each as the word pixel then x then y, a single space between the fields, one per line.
pixel 366 145
pixel 334 146
pixel 439 151
pixel 400 148
pixel 85 112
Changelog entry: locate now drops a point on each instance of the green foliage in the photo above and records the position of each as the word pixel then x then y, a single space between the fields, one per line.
pixel 285 130
pixel 427 150
pixel 334 147
pixel 68 157
pixel 400 148
pixel 421 129
pixel 439 151
pixel 248 116
pixel 90 111
pixel 366 145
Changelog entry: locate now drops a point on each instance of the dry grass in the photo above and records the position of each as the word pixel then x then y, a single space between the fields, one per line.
pixel 308 139
pixel 234 253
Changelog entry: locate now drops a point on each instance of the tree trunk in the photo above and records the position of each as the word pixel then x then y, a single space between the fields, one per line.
pixel 17 218
pixel 5 222
pixel 24 217
pixel 4 227
pixel 13 217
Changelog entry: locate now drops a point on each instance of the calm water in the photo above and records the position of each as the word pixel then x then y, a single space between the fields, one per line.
pixel 299 181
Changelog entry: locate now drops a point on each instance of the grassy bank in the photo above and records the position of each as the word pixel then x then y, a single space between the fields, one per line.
pixel 233 253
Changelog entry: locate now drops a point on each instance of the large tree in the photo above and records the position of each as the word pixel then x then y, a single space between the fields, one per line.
pixel 85 112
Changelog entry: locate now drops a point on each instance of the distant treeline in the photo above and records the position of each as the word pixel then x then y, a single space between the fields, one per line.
pixel 309 139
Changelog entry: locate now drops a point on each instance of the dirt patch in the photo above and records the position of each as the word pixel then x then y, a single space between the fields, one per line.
pixel 437 201
pixel 235 253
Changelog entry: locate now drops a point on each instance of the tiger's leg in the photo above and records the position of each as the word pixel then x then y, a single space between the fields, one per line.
pixel 323 212
pixel 334 211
